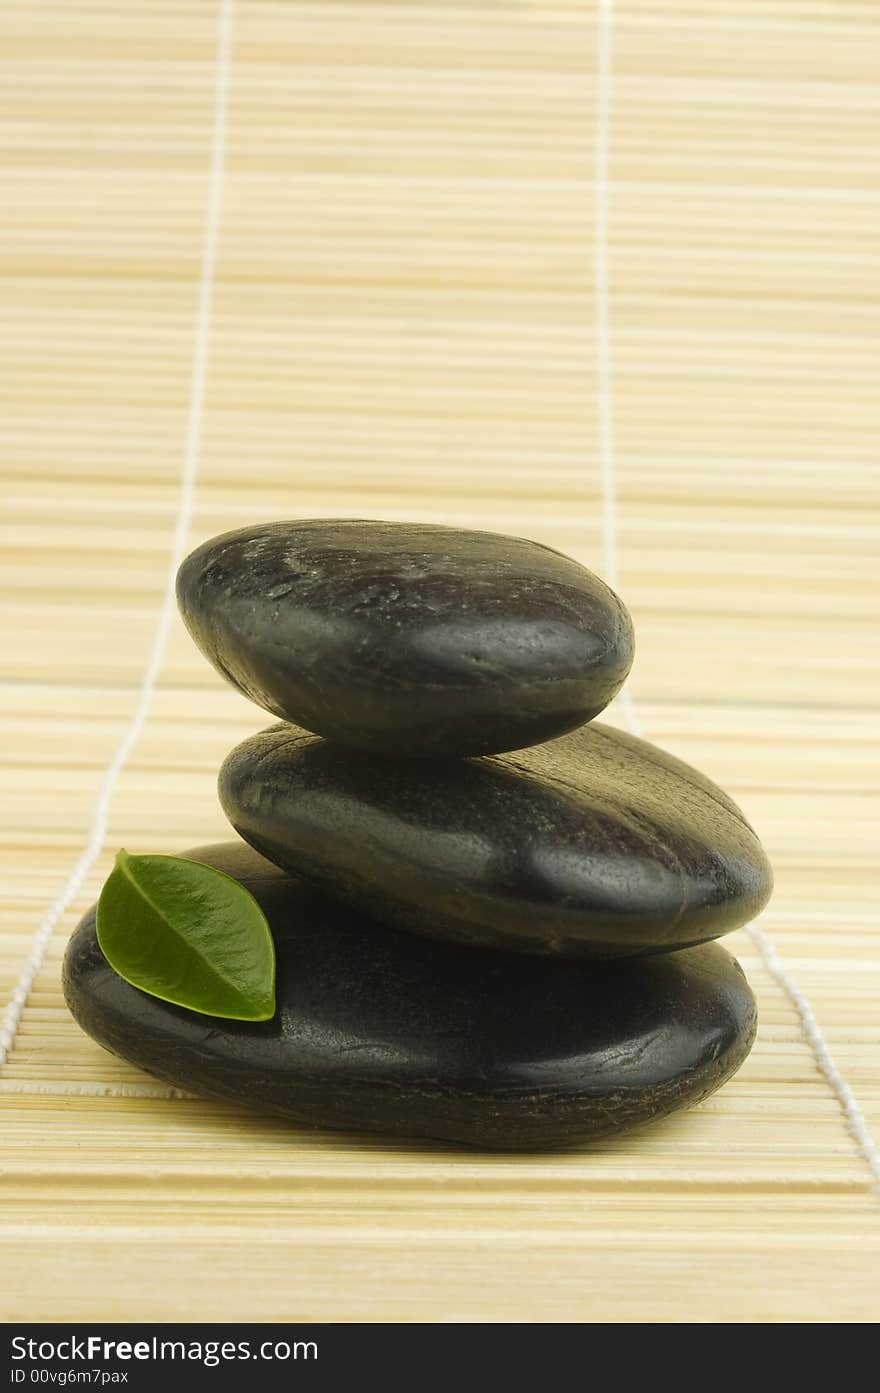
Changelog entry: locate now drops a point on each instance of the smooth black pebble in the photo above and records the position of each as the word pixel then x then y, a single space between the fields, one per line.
pixel 404 638
pixel 380 1031
pixel 593 845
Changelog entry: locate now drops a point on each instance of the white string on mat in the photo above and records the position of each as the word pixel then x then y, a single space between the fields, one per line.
pixel 812 1031
pixel 601 283
pixel 42 1088
pixel 855 1118
pixel 134 730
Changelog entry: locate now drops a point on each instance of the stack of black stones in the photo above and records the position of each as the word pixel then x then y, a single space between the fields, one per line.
pixel 492 914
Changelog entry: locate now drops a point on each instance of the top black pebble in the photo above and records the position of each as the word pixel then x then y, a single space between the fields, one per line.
pixel 404 638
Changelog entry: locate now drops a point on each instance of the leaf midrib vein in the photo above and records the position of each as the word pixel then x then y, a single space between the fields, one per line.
pixel 218 976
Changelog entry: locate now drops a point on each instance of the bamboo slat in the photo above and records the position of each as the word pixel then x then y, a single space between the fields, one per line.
pixel 404 324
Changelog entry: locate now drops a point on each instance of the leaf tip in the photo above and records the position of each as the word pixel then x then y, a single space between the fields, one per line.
pixel 264 1011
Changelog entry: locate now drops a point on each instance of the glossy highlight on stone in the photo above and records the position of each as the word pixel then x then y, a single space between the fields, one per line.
pixel 596 844
pixel 382 1031
pixel 406 638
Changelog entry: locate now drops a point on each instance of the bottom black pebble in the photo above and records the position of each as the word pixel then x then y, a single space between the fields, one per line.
pixel 383 1031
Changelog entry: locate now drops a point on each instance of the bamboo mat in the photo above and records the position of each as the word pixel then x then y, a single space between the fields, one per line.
pixel 377 236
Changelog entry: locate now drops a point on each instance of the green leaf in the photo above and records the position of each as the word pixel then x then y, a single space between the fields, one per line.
pixel 188 934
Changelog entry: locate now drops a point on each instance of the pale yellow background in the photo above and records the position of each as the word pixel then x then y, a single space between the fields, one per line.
pixel 404 327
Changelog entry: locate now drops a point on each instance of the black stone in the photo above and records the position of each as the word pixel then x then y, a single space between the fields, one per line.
pixel 596 844
pixel 381 1031
pixel 403 638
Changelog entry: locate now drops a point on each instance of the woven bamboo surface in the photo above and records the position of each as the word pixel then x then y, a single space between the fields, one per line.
pixel 404 319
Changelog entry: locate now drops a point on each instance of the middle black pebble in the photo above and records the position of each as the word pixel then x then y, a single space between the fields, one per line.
pixel 592 845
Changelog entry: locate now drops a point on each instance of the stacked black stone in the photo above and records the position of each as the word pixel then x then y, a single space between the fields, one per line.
pixel 492 919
